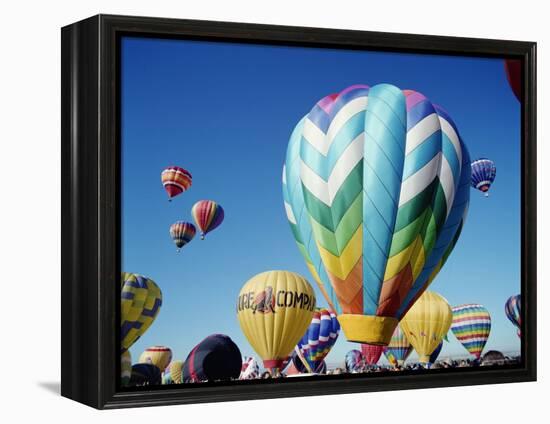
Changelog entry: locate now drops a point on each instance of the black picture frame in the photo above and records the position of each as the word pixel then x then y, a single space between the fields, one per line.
pixel 91 209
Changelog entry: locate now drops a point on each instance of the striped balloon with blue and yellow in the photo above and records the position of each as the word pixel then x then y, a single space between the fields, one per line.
pixel 471 326
pixel 376 189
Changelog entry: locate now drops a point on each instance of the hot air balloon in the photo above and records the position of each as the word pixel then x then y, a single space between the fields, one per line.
pixel 319 367
pixel 319 338
pixel 182 233
pixel 376 188
pixel 175 180
pixel 145 375
pixel 208 215
pixel 512 308
pixel 435 354
pixel 216 358
pixel 354 361
pixel 512 68
pixel 175 369
pixel 399 348
pixel 141 300
pixel 274 310
pixel 160 356
pixel 125 368
pixel 471 326
pixel 250 369
pixel 166 377
pixel 484 172
pixel 427 323
pixel 371 353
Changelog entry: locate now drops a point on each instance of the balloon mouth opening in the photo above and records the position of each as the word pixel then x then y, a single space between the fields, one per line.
pixel 424 359
pixel 368 329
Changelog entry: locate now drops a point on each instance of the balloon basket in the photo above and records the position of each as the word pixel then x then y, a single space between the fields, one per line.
pixel 368 328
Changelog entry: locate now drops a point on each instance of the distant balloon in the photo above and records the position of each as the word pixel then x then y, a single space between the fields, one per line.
pixel 145 375
pixel 274 310
pixel 435 353
pixel 512 308
pixel 216 358
pixel 354 361
pixel 175 369
pixel 250 369
pixel 125 368
pixel 399 348
pixel 141 300
pixel 166 377
pixel 376 187
pixel 182 233
pixel 175 180
pixel 471 326
pixel 320 367
pixel 371 353
pixel 208 215
pixel 484 172
pixel 512 68
pixel 160 356
pixel 427 323
pixel 319 338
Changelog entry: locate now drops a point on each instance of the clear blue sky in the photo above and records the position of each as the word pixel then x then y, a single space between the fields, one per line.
pixel 225 112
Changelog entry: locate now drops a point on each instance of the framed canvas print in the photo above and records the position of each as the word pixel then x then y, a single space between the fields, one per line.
pixel 255 211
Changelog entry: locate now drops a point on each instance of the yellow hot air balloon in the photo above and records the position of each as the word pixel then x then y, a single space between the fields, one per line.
pixel 176 368
pixel 427 323
pixel 274 310
pixel 159 356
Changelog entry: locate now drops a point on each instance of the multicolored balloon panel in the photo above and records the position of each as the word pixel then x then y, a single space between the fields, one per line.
pixel 471 326
pixel 160 356
pixel 175 180
pixel 484 172
pixel 427 323
pixel 399 348
pixel 319 338
pixel 141 300
pixel 182 233
pixel 274 310
pixel 512 308
pixel 208 215
pixel 374 186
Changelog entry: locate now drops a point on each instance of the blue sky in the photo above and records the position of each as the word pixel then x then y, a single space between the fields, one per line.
pixel 225 111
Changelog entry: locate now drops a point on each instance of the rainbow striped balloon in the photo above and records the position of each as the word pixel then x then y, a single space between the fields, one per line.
pixel 182 233
pixel 320 336
pixel 399 348
pixel 376 188
pixel 512 308
pixel 208 215
pixel 471 326
pixel 175 180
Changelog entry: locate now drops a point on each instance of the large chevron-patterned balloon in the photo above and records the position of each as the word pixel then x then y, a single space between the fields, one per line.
pixel 376 189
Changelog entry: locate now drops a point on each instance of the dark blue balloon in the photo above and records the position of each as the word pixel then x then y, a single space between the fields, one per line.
pixel 484 172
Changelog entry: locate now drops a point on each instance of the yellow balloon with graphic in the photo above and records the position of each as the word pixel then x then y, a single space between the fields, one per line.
pixel 427 323
pixel 159 356
pixel 274 310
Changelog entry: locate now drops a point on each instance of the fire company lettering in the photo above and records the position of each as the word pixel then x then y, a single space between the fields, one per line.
pixel 265 302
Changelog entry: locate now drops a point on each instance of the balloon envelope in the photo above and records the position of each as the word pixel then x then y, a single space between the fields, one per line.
pixel 471 326
pixel 125 368
pixel 208 215
pixel 145 375
pixel 274 310
pixel 371 353
pixel 250 368
pixel 319 338
pixel 435 354
pixel 512 68
pixel 175 369
pixel 216 358
pixel 484 172
pixel 175 180
pixel 427 323
pixel 376 187
pixel 512 308
pixel 399 348
pixel 160 356
pixel 141 300
pixel 354 361
pixel 182 233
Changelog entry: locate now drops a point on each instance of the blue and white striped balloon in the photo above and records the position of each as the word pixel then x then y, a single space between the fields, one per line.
pixel 484 172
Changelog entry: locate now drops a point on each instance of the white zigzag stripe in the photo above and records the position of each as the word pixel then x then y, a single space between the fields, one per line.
pixel 321 142
pixel 472 322
pixel 326 191
pixel 447 183
pixel 290 213
pixel 453 136
pixel 419 180
pixel 421 131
